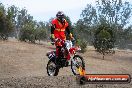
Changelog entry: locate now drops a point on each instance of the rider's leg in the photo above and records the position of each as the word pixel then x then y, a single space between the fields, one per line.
pixel 63 37
pixel 58 49
pixel 68 56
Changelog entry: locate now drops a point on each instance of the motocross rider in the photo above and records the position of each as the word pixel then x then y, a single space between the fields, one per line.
pixel 59 28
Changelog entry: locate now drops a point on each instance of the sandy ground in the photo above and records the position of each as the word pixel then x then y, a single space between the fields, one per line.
pixel 28 61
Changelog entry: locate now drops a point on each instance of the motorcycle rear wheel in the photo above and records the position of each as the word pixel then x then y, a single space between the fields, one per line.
pixel 52 69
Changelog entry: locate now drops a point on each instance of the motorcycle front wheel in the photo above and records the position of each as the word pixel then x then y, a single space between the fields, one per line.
pixel 52 69
pixel 75 63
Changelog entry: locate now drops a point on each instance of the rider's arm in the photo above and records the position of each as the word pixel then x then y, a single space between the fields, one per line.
pixel 68 31
pixel 52 32
pixel 52 29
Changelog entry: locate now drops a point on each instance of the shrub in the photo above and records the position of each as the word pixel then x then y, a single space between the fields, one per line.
pixel 104 39
pixel 28 35
pixel 82 44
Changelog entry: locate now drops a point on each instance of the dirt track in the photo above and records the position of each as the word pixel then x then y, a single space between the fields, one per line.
pixel 20 59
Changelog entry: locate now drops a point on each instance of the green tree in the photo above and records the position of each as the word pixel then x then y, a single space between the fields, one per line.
pixel 28 32
pixel 41 31
pixel 104 39
pixel 12 12
pixel 23 18
pixel 5 23
pixel 113 11
pixel 113 15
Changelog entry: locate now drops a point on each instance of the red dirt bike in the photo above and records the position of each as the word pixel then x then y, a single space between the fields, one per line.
pixel 67 49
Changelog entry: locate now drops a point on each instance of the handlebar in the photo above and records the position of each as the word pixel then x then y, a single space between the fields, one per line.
pixel 53 41
pixel 78 48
